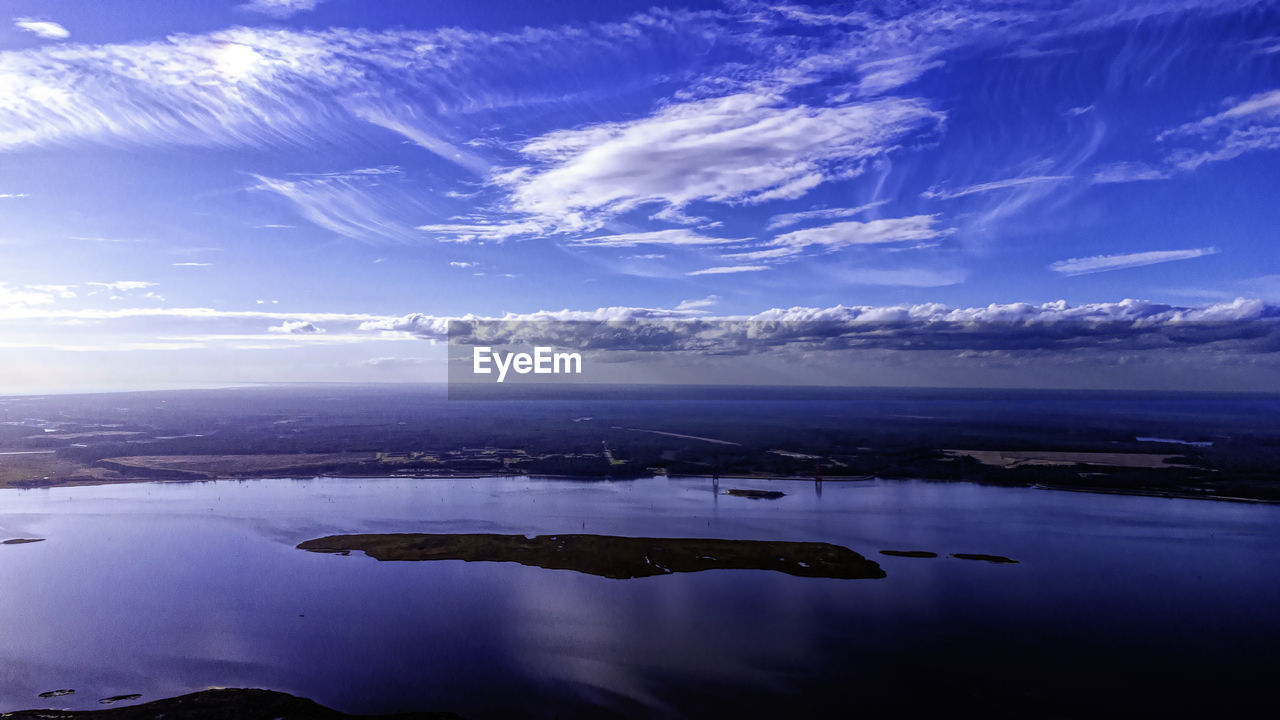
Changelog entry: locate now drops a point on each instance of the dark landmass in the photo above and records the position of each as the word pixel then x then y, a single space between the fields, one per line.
pixel 21 541
pixel 1201 445
pixel 223 704
pixel 57 693
pixel 987 558
pixel 119 698
pixel 756 494
pixel 611 556
pixel 909 553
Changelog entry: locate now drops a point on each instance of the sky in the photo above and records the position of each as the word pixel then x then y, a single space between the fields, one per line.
pixel 1041 193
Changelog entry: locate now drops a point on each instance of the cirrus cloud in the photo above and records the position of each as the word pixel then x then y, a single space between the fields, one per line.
pixel 1105 263
pixel 745 148
pixel 46 29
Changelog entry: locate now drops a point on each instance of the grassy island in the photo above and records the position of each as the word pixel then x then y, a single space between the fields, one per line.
pixel 611 556
pixel 242 704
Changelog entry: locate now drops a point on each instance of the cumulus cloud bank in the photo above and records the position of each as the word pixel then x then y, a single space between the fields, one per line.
pixel 1241 326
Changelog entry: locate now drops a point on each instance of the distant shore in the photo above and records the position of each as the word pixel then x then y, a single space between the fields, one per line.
pixel 1101 490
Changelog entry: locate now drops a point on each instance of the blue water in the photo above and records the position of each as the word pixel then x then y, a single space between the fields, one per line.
pixel 1118 603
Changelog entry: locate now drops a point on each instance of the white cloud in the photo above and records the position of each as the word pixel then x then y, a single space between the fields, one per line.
pixel 829 238
pixel 795 218
pixel 296 327
pixel 939 193
pixel 1104 263
pixel 482 232
pixel 461 264
pixel 255 86
pixel 353 204
pixel 698 306
pixel 394 362
pixel 124 285
pixel 729 269
pixel 12 196
pixel 414 323
pixel 744 148
pixel 192 264
pixel 1265 105
pixel 1124 172
pixel 425 133
pixel 64 292
pixel 1245 126
pixel 21 297
pixel 676 215
pixel 46 29
pixel 880 76
pixel 677 236
pixel 182 313
pixel 279 8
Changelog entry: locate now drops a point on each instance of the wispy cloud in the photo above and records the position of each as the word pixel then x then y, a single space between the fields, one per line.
pixel 353 204
pixel 279 8
pixel 12 196
pixel 1126 172
pixel 482 232
pixel 250 86
pixel 829 238
pixel 124 285
pixel 1104 263
pixel 677 236
pixel 1244 126
pixel 46 29
pixel 743 148
pixel 729 269
pixel 940 193
pixel 192 264
pixel 880 76
pixel 699 305
pixel 426 133
pixel 787 219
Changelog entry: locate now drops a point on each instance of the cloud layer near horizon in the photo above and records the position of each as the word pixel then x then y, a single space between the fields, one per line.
pixel 1249 326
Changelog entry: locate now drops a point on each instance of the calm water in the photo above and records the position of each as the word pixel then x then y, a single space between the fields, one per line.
pixel 1118 604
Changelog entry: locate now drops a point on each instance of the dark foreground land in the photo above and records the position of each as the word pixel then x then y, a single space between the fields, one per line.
pixel 221 704
pixel 1221 446
pixel 611 556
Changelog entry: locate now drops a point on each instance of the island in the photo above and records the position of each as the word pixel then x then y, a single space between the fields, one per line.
pixel 611 556
pixel 243 704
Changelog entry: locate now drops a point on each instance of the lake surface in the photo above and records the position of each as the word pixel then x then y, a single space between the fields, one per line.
pixel 1118 604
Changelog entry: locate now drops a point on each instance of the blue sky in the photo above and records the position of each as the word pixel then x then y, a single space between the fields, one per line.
pixel 209 192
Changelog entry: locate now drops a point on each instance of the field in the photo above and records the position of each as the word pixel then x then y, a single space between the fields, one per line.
pixel 1195 445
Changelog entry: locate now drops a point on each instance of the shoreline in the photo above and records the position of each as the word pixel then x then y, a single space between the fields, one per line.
pixel 1171 494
